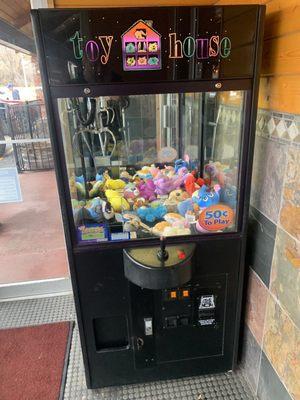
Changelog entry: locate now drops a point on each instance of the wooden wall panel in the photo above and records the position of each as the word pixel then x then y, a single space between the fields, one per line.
pixel 152 3
pixel 127 3
pixel 281 55
pixel 280 93
pixel 283 17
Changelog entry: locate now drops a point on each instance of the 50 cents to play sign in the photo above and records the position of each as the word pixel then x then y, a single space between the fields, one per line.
pixel 216 217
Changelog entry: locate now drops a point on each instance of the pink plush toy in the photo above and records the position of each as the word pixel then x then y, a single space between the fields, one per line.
pixel 147 189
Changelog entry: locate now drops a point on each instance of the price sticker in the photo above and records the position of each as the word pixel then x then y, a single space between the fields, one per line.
pixel 216 217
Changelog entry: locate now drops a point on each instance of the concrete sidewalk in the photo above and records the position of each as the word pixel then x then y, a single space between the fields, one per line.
pixel 32 245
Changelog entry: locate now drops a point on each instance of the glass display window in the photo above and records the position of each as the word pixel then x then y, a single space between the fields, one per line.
pixel 153 165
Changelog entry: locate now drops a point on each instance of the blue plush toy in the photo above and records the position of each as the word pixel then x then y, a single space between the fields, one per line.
pixel 151 214
pixel 228 195
pixel 79 179
pixel 179 164
pixel 185 206
pixel 206 196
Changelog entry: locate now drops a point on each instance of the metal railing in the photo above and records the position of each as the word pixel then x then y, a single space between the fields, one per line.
pixel 25 124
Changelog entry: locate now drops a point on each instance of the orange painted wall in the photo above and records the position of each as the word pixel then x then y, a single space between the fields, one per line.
pixel 280 82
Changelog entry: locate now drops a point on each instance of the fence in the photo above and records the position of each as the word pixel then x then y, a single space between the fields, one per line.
pixel 26 125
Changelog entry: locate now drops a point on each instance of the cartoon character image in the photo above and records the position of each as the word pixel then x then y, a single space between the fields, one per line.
pixel 152 46
pixel 153 60
pixel 141 47
pixel 130 47
pixel 142 60
pixel 140 34
pixel 130 61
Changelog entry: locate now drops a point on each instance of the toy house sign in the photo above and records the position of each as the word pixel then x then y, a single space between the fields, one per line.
pixel 142 47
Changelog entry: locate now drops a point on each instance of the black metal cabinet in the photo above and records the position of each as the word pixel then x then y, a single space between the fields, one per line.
pixel 127 88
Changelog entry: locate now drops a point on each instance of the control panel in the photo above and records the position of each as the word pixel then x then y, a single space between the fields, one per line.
pixel 178 323
pixel 188 306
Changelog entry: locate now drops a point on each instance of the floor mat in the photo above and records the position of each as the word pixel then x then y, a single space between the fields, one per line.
pixel 33 361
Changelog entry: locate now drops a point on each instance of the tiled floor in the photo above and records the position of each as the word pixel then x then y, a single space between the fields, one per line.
pixel 228 386
pixel 32 244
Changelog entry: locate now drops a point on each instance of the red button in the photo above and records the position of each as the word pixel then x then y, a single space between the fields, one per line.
pixel 181 254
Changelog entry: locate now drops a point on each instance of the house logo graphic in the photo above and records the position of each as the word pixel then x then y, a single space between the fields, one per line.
pixel 141 48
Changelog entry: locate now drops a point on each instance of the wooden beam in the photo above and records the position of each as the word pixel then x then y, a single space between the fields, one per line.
pixel 13 36
pixel 22 20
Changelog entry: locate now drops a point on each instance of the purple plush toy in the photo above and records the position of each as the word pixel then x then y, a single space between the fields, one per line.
pixel 147 189
pixel 165 184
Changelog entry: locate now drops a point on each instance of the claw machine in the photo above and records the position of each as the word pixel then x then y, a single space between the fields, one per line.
pixel 152 116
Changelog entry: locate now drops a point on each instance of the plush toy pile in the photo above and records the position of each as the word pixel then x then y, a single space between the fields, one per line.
pixel 163 201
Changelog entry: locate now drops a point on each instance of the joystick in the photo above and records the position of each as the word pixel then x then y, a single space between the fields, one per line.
pixel 162 253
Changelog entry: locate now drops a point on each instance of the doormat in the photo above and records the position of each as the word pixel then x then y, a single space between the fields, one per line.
pixel 34 361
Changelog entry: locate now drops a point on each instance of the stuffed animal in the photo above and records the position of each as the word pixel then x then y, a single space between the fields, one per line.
pixel 117 201
pixel 80 179
pixel 213 173
pixel 159 228
pixel 164 184
pixel 96 210
pixel 185 206
pixel 131 191
pixel 192 182
pixel 125 176
pixel 72 186
pixel 102 174
pixel 178 195
pixel 228 195
pixel 151 214
pixel 97 186
pixel 154 171
pixel 173 217
pixel 176 231
pixel 144 173
pixel 180 163
pixel 139 202
pixel 115 184
pixel 80 187
pixel 147 189
pixel 206 196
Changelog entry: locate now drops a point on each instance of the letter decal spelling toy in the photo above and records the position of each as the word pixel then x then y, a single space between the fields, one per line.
pixel 76 41
pixel 106 42
pixel 141 48
pixel 92 50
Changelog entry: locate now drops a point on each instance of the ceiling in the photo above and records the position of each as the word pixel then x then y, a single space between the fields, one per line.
pixel 17 14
